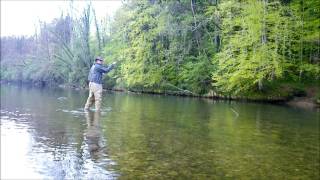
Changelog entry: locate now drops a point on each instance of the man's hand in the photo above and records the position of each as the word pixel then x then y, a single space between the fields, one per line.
pixel 114 63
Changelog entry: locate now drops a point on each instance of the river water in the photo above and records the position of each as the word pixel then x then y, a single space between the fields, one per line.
pixel 45 134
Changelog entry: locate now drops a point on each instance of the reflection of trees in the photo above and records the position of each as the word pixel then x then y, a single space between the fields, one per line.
pixel 156 137
pixel 50 127
pixel 160 137
pixel 153 137
pixel 57 137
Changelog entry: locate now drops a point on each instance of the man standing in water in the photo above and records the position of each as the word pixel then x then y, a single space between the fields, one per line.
pixel 95 83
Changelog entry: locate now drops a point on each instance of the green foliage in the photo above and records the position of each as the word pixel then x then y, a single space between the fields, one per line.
pixel 156 44
pixel 227 47
pixel 59 53
pixel 259 45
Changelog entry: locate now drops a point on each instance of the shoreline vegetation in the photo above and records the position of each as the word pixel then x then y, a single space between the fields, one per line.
pixel 305 100
pixel 249 50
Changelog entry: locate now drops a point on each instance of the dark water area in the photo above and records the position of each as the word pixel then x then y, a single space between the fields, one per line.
pixel 46 134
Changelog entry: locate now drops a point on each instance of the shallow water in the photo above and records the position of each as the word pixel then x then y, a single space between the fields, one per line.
pixel 46 134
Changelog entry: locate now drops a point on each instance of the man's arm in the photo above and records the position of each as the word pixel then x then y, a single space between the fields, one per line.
pixel 103 69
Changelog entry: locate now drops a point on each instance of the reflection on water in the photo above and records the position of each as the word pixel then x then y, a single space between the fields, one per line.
pixel 93 135
pixel 13 157
pixel 46 134
pixel 53 155
pixel 41 138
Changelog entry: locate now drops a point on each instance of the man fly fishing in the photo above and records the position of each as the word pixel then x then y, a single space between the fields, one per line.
pixel 95 83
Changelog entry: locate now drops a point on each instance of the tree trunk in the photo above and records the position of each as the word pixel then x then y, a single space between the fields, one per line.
pixel 301 39
pixel 195 25
pixel 97 30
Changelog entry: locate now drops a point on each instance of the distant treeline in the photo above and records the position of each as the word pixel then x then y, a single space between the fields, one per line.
pixel 228 47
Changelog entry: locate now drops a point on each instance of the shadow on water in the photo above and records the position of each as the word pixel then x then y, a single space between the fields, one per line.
pixel 46 134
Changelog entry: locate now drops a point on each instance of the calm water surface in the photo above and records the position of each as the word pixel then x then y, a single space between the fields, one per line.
pixel 46 134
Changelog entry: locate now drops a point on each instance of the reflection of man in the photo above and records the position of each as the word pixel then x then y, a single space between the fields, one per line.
pixel 95 83
pixel 93 133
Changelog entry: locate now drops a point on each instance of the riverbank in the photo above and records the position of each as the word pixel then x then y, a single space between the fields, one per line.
pixel 307 98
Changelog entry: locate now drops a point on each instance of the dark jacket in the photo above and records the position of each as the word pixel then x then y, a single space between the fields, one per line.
pixel 96 72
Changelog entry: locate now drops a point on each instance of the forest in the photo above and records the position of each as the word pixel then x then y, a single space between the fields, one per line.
pixel 255 49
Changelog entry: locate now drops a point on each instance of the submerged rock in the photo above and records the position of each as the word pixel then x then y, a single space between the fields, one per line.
pixel 303 102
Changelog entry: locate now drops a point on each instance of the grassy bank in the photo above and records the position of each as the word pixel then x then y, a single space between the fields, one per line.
pixel 294 94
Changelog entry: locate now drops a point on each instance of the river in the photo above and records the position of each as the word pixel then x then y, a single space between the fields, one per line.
pixel 46 134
